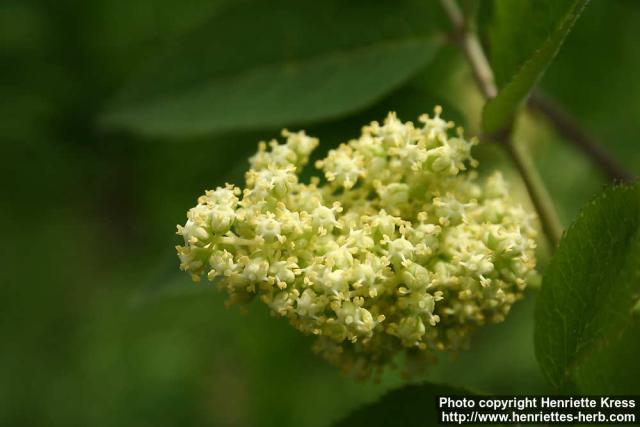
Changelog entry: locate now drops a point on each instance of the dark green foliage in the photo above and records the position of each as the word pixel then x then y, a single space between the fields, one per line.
pixel 264 64
pixel 519 71
pixel 514 31
pixel 410 406
pixel 586 335
pixel 97 326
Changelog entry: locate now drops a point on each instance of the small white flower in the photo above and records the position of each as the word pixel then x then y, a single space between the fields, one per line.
pixel 402 247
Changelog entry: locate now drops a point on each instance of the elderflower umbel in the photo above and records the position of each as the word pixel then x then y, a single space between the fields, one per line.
pixel 401 247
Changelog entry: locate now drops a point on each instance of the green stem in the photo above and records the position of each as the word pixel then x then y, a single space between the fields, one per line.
pixel 470 44
pixel 483 75
pixel 538 193
pixel 568 127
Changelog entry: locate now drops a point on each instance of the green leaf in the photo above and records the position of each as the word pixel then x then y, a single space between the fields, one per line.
pixel 262 64
pixel 513 31
pixel 521 61
pixel 587 336
pixel 412 405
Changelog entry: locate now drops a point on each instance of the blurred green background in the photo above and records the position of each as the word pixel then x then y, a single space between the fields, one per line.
pixel 98 326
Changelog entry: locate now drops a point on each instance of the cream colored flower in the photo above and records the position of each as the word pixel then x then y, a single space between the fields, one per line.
pixel 402 247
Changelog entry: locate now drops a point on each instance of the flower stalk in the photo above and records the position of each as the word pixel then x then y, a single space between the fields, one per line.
pixel 483 74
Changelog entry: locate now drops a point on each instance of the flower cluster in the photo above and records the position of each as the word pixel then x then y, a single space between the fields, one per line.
pixel 398 247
